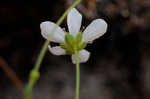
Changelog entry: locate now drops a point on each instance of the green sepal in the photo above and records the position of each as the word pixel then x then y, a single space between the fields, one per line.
pixel 78 38
pixel 82 45
pixel 73 43
pixel 64 46
pixel 69 39
pixel 68 49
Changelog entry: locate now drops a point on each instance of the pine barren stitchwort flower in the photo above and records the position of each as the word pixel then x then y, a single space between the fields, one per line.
pixel 75 39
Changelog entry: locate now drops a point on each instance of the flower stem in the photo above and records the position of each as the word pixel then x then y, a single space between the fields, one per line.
pixel 34 74
pixel 77 75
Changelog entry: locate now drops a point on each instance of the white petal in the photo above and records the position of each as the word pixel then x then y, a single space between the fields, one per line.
pixel 96 29
pixel 74 19
pixel 46 28
pixel 57 50
pixel 83 56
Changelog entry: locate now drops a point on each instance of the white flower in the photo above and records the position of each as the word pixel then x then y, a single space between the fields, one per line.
pixel 96 29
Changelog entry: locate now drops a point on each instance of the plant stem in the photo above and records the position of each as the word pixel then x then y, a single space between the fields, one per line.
pixel 34 74
pixel 77 75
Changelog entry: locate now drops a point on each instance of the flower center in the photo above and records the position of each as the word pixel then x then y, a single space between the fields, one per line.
pixel 73 43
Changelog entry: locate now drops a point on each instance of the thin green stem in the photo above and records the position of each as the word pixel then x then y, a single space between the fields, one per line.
pixel 34 74
pixel 77 75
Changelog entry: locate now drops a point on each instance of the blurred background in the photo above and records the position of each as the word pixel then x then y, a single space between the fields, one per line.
pixel 119 66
